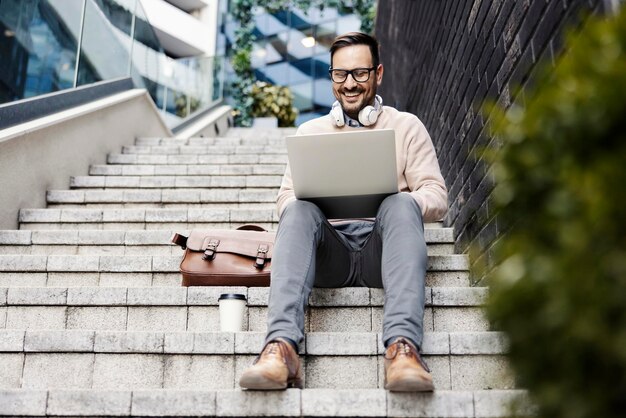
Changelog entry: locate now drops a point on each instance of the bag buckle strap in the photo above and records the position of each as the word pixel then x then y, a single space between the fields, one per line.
pixel 261 256
pixel 209 253
pixel 179 240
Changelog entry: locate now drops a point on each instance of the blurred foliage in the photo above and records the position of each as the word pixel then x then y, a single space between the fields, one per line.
pixel 241 60
pixel 243 11
pixel 276 101
pixel 559 288
pixel 181 101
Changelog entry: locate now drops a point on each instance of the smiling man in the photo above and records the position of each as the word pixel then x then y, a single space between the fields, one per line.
pixel 353 88
pixel 387 252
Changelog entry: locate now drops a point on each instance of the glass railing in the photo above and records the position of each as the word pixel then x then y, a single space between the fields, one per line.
pixel 52 45
pixel 189 86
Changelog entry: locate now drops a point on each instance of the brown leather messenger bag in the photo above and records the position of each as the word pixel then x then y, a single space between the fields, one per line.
pixel 226 257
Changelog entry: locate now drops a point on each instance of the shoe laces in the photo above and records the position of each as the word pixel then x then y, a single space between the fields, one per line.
pixel 272 348
pixel 403 348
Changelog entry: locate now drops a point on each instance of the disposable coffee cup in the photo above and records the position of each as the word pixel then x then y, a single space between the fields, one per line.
pixel 232 311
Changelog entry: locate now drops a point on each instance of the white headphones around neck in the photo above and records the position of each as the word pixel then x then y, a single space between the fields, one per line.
pixel 367 116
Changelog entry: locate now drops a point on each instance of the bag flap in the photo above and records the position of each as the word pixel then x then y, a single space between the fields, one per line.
pixel 232 241
pixel 245 247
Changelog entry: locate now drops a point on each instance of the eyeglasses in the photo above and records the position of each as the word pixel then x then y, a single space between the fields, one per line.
pixel 360 75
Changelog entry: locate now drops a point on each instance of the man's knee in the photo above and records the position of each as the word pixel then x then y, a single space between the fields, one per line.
pixel 302 211
pixel 399 206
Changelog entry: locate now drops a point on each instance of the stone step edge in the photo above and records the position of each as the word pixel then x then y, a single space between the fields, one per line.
pixel 192 159
pixel 138 177
pixel 185 169
pixel 181 150
pixel 141 226
pixel 224 343
pixel 290 402
pixel 208 296
pixel 145 215
pixel 204 149
pixel 139 237
pixel 153 264
pixel 151 215
pixel 169 280
pixel 233 141
pixel 238 141
pixel 224 184
pixel 275 140
pixel 248 146
pixel 265 195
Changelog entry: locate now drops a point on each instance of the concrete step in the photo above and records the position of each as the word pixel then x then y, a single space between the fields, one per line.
pixel 187 170
pixel 133 226
pixel 148 263
pixel 230 196
pixel 155 205
pixel 99 242
pixel 254 133
pixel 448 309
pixel 181 360
pixel 215 343
pixel 210 372
pixel 220 140
pixel 208 296
pixel 172 149
pixel 155 218
pixel 292 402
pixel 123 237
pixel 179 159
pixel 152 249
pixel 147 216
pixel 169 182
pixel 148 279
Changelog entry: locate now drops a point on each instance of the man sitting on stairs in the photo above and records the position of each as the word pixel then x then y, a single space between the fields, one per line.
pixel 388 252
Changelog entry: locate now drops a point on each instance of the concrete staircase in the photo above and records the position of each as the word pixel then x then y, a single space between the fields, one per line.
pixel 93 320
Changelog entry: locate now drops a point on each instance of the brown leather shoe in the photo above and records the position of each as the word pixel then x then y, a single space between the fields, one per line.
pixel 405 371
pixel 277 367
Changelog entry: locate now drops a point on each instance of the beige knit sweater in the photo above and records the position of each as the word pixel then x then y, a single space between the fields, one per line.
pixel 418 168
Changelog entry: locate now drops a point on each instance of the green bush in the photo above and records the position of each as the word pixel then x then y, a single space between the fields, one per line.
pixel 276 101
pixel 559 288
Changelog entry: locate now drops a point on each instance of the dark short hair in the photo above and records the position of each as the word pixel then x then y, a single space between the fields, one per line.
pixel 356 38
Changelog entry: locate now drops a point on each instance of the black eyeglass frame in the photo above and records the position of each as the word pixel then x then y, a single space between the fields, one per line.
pixel 350 73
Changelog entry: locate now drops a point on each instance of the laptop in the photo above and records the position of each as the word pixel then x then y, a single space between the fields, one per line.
pixel 346 174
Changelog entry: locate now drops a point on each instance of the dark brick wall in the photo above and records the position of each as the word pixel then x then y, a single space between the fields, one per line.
pixel 443 58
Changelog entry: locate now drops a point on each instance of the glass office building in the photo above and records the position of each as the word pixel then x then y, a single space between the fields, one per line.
pixel 52 45
pixel 292 49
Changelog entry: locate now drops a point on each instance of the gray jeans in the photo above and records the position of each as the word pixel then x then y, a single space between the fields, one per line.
pixel 389 252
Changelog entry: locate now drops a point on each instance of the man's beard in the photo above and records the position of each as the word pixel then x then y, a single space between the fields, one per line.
pixel 353 109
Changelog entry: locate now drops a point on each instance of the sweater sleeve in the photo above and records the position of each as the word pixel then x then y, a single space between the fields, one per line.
pixel 423 176
pixel 285 194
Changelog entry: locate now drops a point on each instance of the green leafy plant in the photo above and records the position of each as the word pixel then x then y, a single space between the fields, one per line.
pixel 181 100
pixel 276 101
pixel 559 288
pixel 243 11
pixel 241 61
